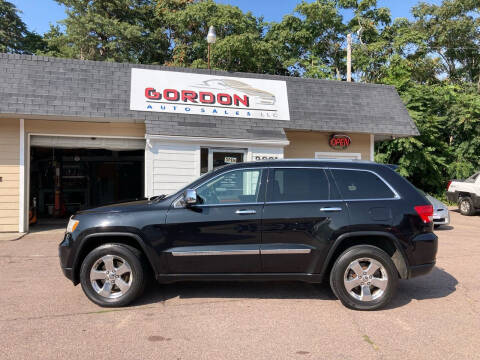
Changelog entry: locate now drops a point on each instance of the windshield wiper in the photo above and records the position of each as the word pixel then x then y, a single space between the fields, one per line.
pixel 157 197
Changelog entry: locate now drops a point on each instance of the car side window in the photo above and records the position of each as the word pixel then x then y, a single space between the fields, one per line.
pixel 472 178
pixel 356 184
pixel 292 184
pixel 234 187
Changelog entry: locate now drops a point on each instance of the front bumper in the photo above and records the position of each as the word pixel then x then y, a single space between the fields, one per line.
pixel 64 254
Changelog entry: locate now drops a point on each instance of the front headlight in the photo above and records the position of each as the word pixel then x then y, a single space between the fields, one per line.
pixel 72 225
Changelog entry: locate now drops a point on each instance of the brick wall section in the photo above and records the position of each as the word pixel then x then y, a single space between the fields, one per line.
pixel 37 85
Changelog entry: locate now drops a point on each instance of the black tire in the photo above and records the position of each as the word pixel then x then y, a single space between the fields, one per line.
pixel 339 271
pixel 465 205
pixel 436 226
pixel 137 265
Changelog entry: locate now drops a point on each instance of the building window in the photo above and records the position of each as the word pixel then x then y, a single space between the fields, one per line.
pixel 212 158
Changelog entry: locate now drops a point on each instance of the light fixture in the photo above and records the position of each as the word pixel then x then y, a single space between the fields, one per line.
pixel 211 39
pixel 212 35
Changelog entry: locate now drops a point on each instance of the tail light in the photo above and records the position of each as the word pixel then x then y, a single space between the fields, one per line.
pixel 448 185
pixel 425 212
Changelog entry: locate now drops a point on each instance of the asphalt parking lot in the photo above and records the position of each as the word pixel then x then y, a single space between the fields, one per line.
pixel 42 316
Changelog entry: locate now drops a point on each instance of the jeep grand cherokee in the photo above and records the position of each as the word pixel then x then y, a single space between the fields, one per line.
pixel 358 224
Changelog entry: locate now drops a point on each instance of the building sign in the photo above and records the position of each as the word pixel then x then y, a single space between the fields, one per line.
pixel 199 94
pixel 339 142
pixel 230 160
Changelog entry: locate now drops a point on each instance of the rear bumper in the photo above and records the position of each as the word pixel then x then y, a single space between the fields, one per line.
pixel 452 196
pixel 419 270
pixel 444 220
pixel 424 253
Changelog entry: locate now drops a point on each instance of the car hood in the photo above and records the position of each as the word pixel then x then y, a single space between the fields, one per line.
pixel 139 205
pixel 437 204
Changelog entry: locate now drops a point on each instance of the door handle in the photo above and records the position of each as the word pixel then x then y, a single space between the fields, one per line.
pixel 330 209
pixel 245 212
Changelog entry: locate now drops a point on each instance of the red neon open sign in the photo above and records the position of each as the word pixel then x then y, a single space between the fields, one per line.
pixel 339 141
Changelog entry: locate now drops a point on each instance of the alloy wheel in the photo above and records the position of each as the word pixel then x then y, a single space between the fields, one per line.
pixel 465 206
pixel 111 276
pixel 365 279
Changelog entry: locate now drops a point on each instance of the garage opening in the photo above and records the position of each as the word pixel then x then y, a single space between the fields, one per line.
pixel 64 180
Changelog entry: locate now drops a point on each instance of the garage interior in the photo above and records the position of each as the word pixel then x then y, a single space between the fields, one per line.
pixel 65 180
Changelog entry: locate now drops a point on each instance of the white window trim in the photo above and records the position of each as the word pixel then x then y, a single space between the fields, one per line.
pixel 372 147
pixel 342 155
pixel 22 226
pixel 216 141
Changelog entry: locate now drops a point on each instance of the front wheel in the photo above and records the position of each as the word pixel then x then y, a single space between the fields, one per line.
pixel 364 278
pixel 113 275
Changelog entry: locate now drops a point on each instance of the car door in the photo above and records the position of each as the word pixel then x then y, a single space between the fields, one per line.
pixel 371 201
pixel 301 216
pixel 221 233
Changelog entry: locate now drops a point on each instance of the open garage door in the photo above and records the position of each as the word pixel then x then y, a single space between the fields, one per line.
pixel 69 173
pixel 74 142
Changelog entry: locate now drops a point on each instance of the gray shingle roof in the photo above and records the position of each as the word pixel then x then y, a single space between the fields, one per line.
pixel 46 86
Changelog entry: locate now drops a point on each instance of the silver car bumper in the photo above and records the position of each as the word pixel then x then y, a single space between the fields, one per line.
pixel 441 217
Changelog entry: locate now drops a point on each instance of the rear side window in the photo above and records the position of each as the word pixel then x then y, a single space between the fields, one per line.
pixel 472 178
pixel 356 184
pixel 299 185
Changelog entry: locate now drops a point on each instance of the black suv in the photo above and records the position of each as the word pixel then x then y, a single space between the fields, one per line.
pixel 358 224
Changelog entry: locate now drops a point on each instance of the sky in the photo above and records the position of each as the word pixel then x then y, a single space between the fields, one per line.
pixel 39 14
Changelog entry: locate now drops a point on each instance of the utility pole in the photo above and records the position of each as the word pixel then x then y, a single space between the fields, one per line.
pixel 349 57
pixel 208 56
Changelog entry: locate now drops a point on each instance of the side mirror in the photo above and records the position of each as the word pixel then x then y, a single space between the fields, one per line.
pixel 190 197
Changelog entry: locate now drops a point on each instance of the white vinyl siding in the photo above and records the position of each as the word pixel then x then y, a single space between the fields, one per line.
pixel 171 167
pixel 10 174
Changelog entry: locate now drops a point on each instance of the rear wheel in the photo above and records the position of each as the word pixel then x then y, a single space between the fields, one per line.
pixel 465 204
pixel 364 278
pixel 113 275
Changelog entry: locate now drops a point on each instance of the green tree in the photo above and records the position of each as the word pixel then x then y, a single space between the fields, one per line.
pixel 309 42
pixel 112 30
pixel 14 35
pixel 450 34
pixel 373 35
pixel 240 42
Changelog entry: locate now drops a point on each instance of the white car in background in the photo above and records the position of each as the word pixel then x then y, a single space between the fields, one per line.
pixel 440 212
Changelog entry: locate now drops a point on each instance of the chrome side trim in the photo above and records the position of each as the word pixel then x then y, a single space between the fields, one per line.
pixel 285 251
pixel 228 204
pixel 245 212
pixel 215 252
pixel 303 201
pixel 330 209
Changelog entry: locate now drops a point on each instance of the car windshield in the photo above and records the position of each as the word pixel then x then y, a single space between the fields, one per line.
pixel 472 178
